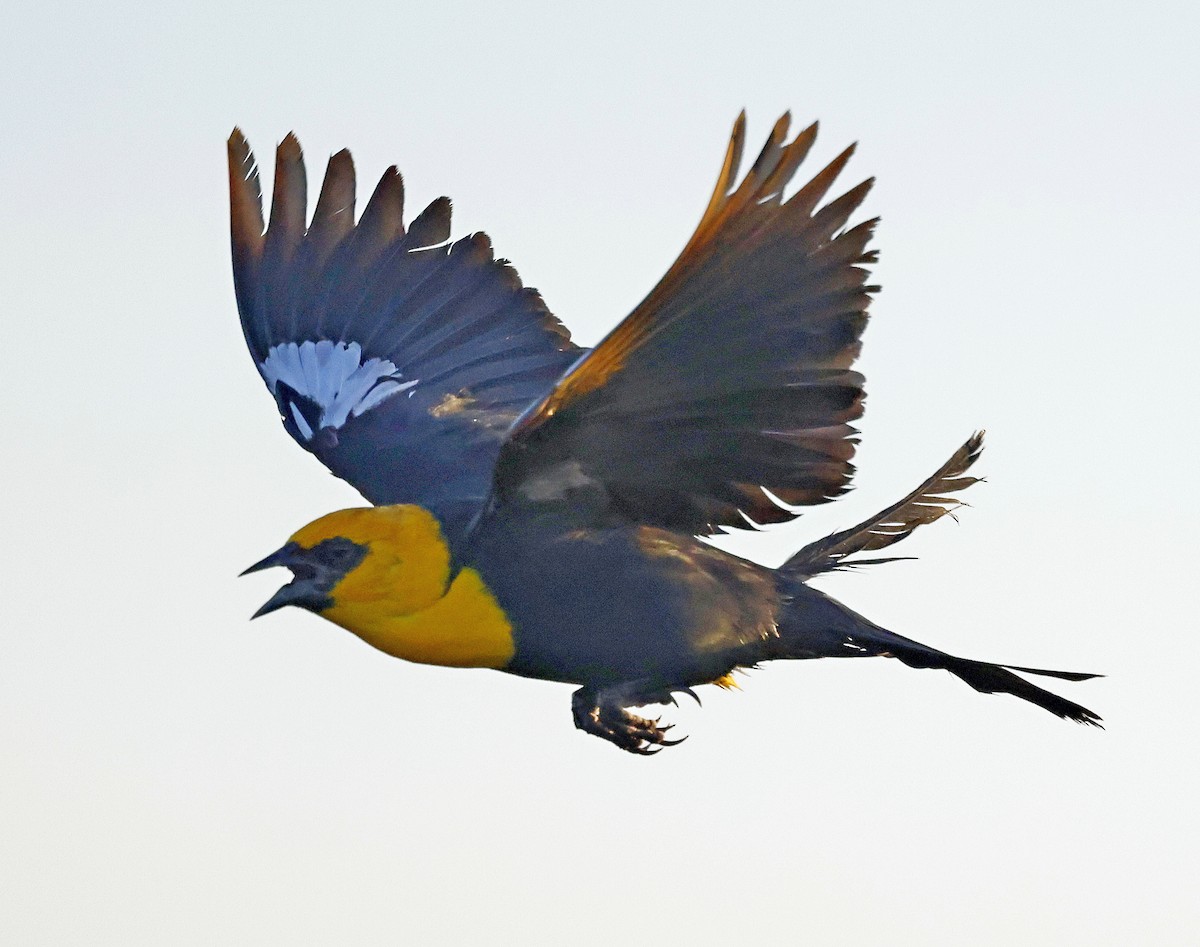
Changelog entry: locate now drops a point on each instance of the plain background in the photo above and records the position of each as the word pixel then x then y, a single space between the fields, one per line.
pixel 171 774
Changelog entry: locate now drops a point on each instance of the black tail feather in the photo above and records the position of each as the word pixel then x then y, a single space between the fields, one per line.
pixel 818 626
pixel 988 678
pixel 998 679
pixel 1062 675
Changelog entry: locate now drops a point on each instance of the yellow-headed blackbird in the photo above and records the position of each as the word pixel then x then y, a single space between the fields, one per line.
pixel 538 504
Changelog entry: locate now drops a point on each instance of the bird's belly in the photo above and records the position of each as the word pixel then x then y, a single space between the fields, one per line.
pixel 609 606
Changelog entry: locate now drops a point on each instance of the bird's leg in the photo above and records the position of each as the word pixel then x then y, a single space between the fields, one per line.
pixel 602 712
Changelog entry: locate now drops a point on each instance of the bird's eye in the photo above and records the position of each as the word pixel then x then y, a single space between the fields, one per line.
pixel 337 552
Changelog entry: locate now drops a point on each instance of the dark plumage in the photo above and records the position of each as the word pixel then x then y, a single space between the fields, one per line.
pixel 539 504
pixel 449 315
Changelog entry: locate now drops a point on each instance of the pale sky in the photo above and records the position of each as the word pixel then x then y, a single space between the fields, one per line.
pixel 175 775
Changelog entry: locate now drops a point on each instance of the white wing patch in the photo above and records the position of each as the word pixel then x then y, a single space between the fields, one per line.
pixel 334 376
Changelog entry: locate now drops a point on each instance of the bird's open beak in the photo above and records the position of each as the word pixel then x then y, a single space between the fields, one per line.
pixel 288 595
pixel 280 557
pixel 300 591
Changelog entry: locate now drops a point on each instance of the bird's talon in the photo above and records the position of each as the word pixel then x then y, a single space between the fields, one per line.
pixel 691 693
pixel 604 715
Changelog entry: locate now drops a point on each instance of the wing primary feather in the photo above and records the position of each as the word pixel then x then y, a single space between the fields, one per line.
pixel 833 216
pixel 332 223
pixel 726 177
pixel 364 256
pixel 794 154
pixel 383 218
pixel 285 232
pixel 806 199
pixel 768 158
pixel 432 225
pixel 750 190
pixel 333 217
pixel 288 199
pixel 245 198
pixel 246 237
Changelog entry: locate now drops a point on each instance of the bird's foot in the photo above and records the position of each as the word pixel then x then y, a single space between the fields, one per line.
pixel 603 714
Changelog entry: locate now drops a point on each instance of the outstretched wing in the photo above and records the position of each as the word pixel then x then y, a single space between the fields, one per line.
pixel 732 376
pixel 397 358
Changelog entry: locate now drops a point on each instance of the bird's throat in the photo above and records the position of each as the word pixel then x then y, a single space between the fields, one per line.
pixel 464 628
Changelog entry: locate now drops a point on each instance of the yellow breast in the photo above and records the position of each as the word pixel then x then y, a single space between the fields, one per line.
pixel 464 628
pixel 400 597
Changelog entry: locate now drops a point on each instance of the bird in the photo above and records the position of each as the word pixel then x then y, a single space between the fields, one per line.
pixel 541 508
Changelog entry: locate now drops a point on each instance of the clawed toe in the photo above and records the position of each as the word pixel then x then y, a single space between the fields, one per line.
pixel 598 713
pixel 637 734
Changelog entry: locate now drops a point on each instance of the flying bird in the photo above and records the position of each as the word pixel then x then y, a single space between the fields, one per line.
pixel 538 507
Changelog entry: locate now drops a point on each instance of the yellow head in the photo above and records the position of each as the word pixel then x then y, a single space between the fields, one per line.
pixel 382 558
pixel 383 572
